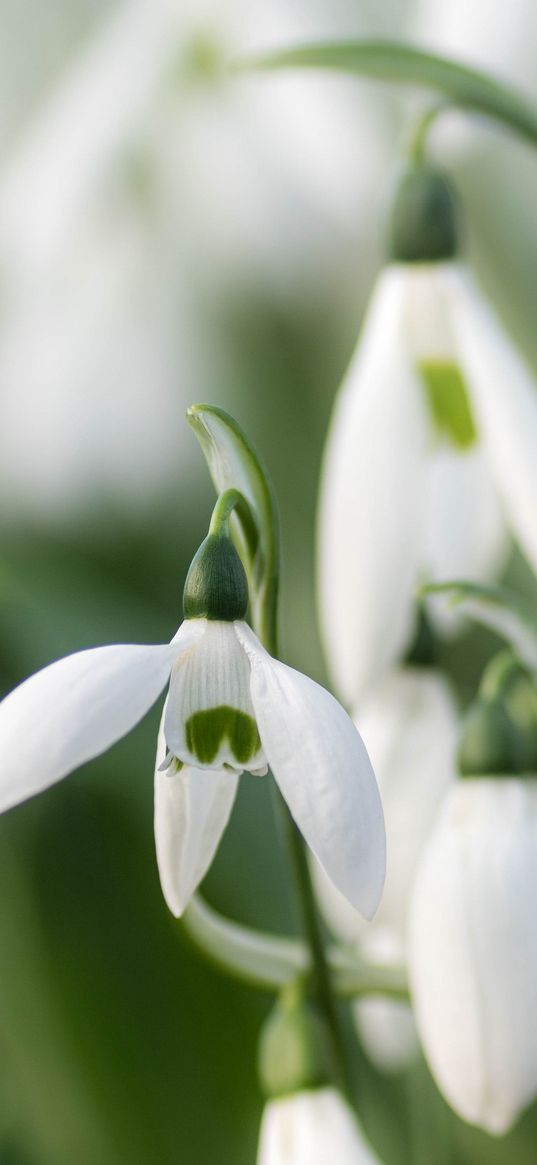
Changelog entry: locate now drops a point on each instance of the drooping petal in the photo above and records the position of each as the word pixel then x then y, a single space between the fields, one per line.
pixel 210 717
pixel 192 809
pixel 371 502
pixel 322 768
pixel 312 1128
pixel 75 709
pixel 504 397
pixel 473 950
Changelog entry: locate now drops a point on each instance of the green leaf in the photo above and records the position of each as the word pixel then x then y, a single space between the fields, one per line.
pixel 509 615
pixel 406 64
pixel 234 464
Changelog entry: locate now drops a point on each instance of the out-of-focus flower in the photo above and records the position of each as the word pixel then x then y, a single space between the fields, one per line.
pixel 473 949
pixel 230 707
pixel 150 183
pixel 430 460
pixel 409 726
pixel 311 1128
pixel 491 35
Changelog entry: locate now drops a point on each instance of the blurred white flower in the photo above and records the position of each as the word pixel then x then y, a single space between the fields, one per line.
pixel 312 1128
pixel 473 949
pixel 430 460
pixel 409 725
pixel 385 1026
pixel 230 707
pixel 149 183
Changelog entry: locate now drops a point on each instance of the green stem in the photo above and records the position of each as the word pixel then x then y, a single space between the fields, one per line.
pixel 227 501
pixel 321 979
pixel 387 60
pixel 271 962
pixel 418 140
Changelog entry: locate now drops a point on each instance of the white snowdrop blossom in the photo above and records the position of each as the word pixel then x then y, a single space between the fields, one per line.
pixel 409 725
pixel 430 462
pixel 473 949
pixel 311 1128
pixel 230 707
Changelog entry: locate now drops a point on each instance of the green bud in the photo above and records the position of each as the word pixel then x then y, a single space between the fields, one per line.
pixel 422 226
pixel 499 734
pixel 490 744
pixel 216 586
pixel 294 1050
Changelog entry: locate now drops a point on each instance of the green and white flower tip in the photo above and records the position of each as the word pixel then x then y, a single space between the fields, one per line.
pixel 430 458
pixel 231 707
pixel 473 930
pixel 312 1127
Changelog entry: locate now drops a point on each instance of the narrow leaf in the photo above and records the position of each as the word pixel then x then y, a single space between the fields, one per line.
pixel 407 64
pixel 509 615
pixel 233 463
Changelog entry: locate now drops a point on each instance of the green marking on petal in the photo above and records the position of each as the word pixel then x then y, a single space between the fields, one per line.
pixel 448 401
pixel 205 732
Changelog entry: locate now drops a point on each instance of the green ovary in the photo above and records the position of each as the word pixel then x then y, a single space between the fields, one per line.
pixel 206 731
pixel 448 401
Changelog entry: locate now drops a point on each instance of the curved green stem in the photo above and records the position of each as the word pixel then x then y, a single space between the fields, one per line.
pixel 271 962
pixel 226 502
pixel 387 60
pixel 418 140
pixel 263 960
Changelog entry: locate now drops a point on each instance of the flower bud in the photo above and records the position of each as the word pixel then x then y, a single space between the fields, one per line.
pixel 216 585
pixel 294 1049
pixel 422 225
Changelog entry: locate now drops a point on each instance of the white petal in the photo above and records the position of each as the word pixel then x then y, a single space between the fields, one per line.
pixel 312 1128
pixel 371 502
pixel 387 1032
pixel 473 950
pixel 192 809
pixel 410 728
pixel 504 398
pixel 75 709
pixel 409 725
pixel 321 765
pixel 215 674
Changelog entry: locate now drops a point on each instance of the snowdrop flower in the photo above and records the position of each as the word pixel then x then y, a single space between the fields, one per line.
pixel 430 459
pixel 230 707
pixel 409 724
pixel 310 1128
pixel 473 949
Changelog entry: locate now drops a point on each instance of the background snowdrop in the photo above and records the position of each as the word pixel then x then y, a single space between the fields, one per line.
pixel 116 252
pixel 473 949
pixel 430 454
pixel 309 1127
pixel 410 726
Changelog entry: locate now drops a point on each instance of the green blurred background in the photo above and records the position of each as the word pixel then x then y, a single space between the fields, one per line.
pixel 212 253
